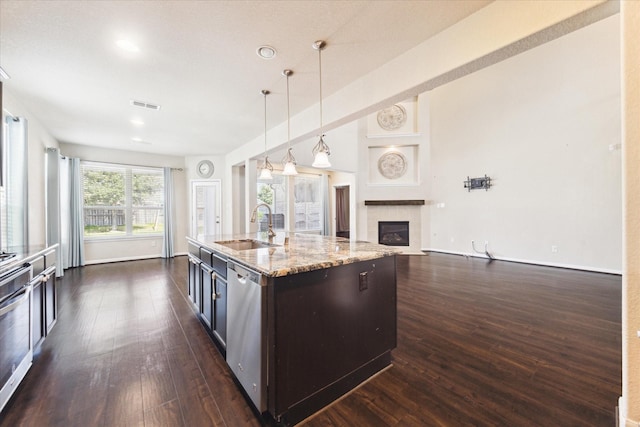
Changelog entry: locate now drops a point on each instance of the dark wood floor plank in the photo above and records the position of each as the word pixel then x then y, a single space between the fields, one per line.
pixel 484 344
pixel 165 415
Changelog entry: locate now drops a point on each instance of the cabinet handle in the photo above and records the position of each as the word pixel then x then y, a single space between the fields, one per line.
pixel 213 276
pixel 44 278
pixel 215 296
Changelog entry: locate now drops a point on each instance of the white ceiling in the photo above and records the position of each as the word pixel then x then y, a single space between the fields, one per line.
pixel 197 61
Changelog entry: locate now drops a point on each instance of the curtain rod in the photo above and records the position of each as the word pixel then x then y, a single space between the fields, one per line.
pixel 124 164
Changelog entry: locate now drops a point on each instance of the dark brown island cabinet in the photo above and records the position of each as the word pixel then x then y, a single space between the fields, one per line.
pixel 298 327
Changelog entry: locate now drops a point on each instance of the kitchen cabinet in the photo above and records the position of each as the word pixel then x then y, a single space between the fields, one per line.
pixel 207 290
pixel 220 310
pixel 45 296
pixel 37 325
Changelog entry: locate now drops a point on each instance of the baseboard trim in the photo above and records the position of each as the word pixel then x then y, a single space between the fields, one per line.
pixel 524 261
pixel 621 421
pixel 132 258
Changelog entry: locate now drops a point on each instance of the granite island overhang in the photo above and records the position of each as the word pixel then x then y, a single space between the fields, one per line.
pixel 307 318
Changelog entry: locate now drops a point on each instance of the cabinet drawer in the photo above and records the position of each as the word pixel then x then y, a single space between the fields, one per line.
pixel 194 250
pixel 205 256
pixel 50 259
pixel 219 265
pixel 38 265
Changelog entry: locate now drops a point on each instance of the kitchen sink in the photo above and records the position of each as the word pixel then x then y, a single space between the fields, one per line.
pixel 245 244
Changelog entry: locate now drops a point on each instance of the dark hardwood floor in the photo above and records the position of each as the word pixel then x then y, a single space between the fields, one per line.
pixel 484 344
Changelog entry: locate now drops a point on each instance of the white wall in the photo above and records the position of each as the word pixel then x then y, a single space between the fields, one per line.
pixel 540 125
pixel 38 140
pixel 125 249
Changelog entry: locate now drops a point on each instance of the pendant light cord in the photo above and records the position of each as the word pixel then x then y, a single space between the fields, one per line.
pixel 264 92
pixel 320 72
pixel 288 116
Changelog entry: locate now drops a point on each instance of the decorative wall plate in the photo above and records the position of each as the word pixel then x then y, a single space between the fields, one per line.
pixel 205 168
pixel 392 118
pixel 392 165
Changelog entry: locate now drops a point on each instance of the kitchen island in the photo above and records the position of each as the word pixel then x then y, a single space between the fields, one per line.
pixel 301 319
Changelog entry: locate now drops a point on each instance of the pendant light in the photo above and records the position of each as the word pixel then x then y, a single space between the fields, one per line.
pixel 321 151
pixel 289 161
pixel 265 168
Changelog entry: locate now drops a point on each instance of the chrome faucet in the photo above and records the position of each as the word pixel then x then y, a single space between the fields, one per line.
pixel 270 233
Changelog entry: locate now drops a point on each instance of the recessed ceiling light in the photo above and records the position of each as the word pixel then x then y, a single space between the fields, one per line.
pixel 127 45
pixel 137 122
pixel 140 141
pixel 266 52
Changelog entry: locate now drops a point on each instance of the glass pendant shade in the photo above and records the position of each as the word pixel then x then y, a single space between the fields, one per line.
pixel 289 169
pixel 266 169
pixel 321 154
pixel 321 160
pixel 289 164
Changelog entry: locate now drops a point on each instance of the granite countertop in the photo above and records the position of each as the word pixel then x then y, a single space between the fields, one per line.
pixel 23 255
pixel 300 252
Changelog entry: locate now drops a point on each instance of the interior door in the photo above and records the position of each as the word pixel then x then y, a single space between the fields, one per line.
pixel 205 208
pixel 342 211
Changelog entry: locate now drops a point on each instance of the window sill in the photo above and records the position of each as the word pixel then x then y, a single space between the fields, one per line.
pixel 122 238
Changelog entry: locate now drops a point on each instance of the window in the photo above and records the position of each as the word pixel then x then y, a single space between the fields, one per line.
pixel 306 206
pixel 14 211
pixel 307 191
pixel 274 193
pixel 122 200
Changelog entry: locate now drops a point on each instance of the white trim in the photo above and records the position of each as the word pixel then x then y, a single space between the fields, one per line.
pixel 136 258
pixel 621 421
pixel 133 237
pixel 523 261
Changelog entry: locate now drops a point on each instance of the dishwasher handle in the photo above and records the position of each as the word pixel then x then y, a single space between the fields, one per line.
pixel 13 302
pixel 242 274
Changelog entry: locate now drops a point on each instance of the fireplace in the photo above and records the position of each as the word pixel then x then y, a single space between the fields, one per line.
pixel 393 233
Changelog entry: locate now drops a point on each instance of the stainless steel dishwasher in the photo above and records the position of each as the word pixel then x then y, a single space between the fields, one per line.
pixel 246 331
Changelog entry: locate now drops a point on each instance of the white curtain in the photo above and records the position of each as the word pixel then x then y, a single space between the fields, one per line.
pixel 64 209
pixel 167 242
pixel 76 220
pixel 326 215
pixel 53 167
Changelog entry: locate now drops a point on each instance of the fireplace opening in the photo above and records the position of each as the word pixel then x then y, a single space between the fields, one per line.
pixel 393 233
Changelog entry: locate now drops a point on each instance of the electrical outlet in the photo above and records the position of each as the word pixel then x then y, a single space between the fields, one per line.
pixel 554 249
pixel 363 282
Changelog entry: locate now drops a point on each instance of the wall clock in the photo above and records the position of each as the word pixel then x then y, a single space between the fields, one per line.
pixel 205 169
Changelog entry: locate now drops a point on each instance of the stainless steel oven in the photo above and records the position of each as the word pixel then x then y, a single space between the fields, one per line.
pixel 16 309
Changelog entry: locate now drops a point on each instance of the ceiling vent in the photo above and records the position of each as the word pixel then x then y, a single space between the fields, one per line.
pixel 145 105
